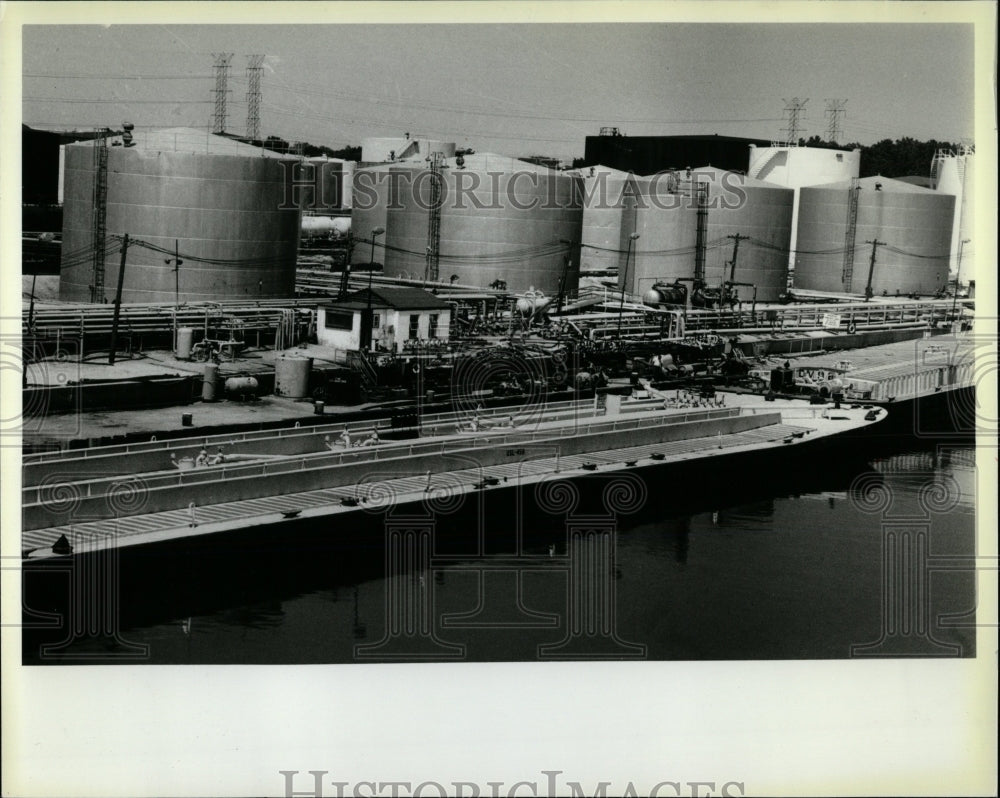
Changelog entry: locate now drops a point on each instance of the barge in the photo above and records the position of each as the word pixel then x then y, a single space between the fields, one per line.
pixel 103 498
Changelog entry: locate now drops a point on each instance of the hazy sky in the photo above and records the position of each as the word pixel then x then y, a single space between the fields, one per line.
pixel 515 89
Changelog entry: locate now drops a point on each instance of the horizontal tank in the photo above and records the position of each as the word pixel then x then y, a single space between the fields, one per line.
pixel 912 224
pixel 500 220
pixel 227 213
pixel 666 221
pixel 760 214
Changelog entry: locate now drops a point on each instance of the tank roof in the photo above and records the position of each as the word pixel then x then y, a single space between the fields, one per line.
pixel 887 184
pixel 193 140
pixel 738 177
pixel 584 171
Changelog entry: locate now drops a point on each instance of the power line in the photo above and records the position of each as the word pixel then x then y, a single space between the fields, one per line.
pixel 77 101
pixel 114 77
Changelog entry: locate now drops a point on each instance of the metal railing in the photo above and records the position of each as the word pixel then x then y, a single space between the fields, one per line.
pixel 41 494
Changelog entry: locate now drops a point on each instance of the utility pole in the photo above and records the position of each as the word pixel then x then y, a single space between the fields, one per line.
pixel 871 266
pixel 737 237
pixel 31 305
pixel 621 306
pixel 176 260
pixel 567 264
pixel 118 302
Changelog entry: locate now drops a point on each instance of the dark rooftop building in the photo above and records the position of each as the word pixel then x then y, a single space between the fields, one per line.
pixel 645 155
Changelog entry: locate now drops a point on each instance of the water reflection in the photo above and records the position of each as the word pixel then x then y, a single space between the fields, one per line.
pixel 785 566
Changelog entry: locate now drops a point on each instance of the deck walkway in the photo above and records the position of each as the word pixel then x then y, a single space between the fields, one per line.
pixel 172 524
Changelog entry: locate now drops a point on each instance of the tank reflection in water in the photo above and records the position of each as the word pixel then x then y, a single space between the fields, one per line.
pixel 782 567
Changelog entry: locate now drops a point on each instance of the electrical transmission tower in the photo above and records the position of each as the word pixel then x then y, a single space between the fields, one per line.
pixel 794 108
pixel 255 69
pixel 222 61
pixel 834 111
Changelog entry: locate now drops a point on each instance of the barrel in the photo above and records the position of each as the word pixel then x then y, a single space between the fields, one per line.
pixel 185 340
pixel 291 376
pixel 210 382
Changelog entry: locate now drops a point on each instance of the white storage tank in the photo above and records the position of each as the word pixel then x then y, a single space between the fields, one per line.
pixel 914 224
pixel 953 173
pixel 225 204
pixel 795 167
pixel 500 219
pixel 403 148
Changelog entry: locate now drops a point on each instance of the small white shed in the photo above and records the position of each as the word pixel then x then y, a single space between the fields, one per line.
pixel 397 315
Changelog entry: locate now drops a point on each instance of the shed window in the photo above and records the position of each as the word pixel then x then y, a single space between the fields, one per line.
pixel 414 325
pixel 432 326
pixel 339 320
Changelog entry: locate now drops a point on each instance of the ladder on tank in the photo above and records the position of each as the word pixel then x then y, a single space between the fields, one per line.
pixel 99 221
pixel 701 198
pixel 850 234
pixel 434 220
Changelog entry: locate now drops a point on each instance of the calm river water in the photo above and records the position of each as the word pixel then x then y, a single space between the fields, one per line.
pixel 866 557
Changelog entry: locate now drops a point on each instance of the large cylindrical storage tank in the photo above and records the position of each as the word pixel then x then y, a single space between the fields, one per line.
pixel 667 223
pixel 371 198
pixel 953 173
pixel 795 167
pixel 320 184
pixel 603 189
pixel 913 225
pixel 224 204
pixel 500 219
pixel 761 214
